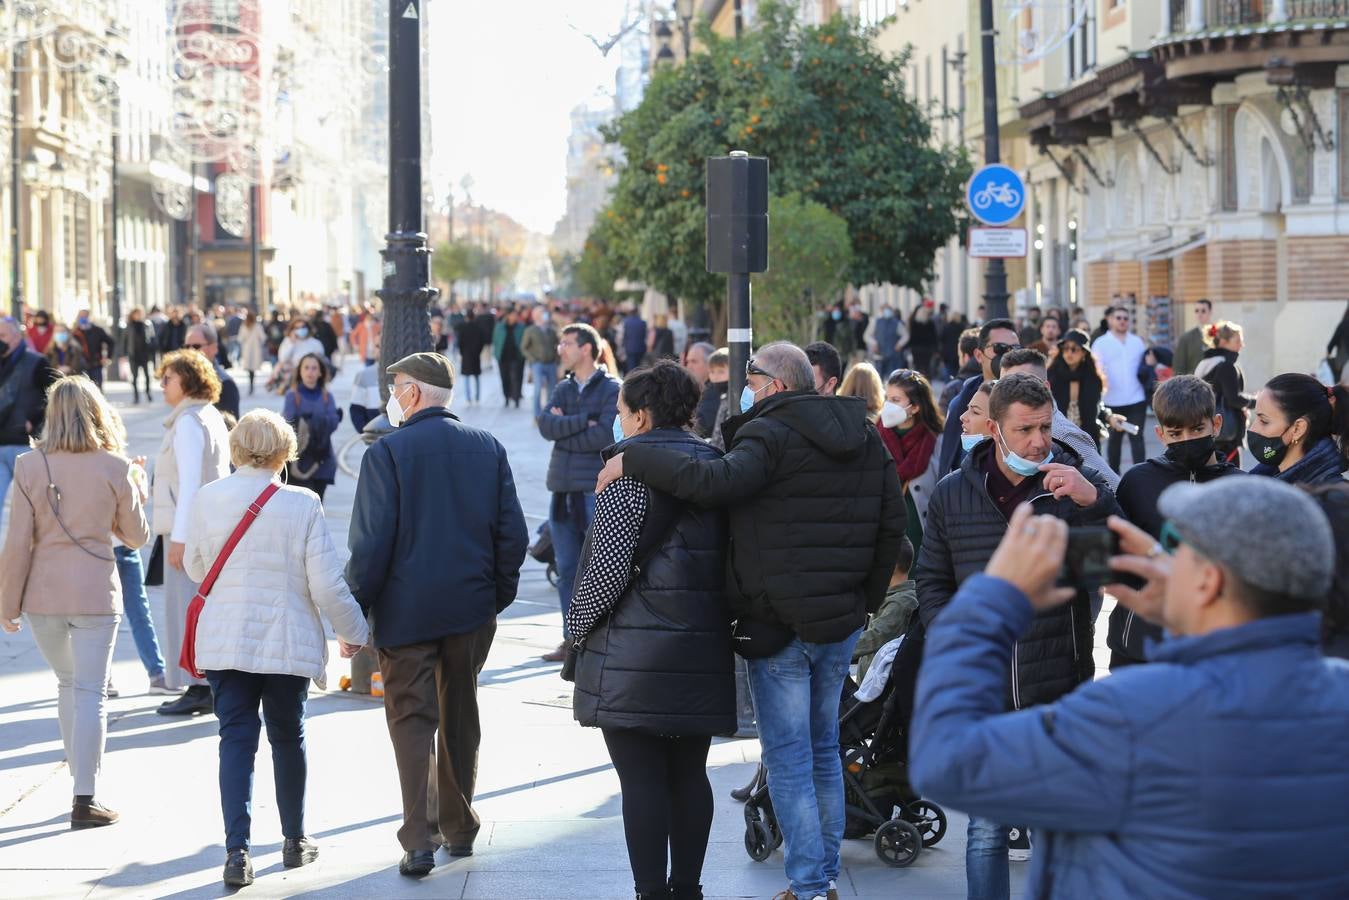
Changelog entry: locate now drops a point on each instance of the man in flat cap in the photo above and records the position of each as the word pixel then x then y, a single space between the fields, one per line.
pixel 1218 770
pixel 437 538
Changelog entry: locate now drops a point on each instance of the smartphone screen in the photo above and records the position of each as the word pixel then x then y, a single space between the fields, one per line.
pixel 1086 565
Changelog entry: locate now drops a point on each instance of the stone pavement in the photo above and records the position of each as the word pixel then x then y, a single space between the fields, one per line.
pixel 547 794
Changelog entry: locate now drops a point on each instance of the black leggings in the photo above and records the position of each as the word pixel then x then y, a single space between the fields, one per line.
pixel 137 370
pixel 667 804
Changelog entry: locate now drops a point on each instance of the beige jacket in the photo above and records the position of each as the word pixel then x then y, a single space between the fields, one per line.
pixel 41 569
pixel 195 426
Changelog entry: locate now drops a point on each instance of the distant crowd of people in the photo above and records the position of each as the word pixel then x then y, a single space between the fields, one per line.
pixel 838 511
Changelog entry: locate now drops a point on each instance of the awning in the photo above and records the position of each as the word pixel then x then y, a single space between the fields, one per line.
pixel 1174 246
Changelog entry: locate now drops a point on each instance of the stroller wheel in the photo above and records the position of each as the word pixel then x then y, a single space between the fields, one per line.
pixel 758 842
pixel 929 819
pixel 898 843
pixel 551 573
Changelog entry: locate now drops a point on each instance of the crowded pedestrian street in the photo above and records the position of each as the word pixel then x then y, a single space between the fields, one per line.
pixel 547 792
pixel 674 449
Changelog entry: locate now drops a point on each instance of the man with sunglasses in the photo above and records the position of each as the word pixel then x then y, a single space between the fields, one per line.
pixel 996 337
pixel 817 518
pixel 1120 353
pixel 204 340
pixel 1215 771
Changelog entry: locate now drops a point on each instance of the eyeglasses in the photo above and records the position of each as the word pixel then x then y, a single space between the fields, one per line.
pixel 752 369
pixel 1169 538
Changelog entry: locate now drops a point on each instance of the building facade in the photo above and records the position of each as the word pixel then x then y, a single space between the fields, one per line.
pixel 1208 161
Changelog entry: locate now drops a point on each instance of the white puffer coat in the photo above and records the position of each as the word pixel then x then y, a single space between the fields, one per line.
pixel 263 614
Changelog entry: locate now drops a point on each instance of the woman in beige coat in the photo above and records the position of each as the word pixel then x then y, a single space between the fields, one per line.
pixel 194 452
pixel 75 491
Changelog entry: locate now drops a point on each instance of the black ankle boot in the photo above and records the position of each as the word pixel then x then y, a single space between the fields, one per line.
pixel 662 894
pixel 685 891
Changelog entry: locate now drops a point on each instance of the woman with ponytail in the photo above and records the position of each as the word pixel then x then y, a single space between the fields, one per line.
pixel 1300 430
pixel 1219 368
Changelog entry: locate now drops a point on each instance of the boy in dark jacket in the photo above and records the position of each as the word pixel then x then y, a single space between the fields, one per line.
pixel 1188 425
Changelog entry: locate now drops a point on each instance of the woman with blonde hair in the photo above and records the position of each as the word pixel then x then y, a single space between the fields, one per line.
pixel 193 453
pixel 260 638
pixel 75 492
pixel 1218 366
pixel 864 381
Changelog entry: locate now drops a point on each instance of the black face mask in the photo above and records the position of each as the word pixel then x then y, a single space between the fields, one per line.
pixel 1191 455
pixel 1267 450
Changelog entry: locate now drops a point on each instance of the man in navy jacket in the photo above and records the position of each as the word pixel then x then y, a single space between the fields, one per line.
pixel 437 538
pixel 580 424
pixel 1217 770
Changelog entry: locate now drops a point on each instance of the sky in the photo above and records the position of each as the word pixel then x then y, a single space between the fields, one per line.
pixel 505 75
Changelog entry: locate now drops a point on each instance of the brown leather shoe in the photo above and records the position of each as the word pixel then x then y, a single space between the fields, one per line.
pixel 558 655
pixel 91 815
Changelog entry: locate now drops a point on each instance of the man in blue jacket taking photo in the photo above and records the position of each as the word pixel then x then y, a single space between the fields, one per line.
pixel 1217 770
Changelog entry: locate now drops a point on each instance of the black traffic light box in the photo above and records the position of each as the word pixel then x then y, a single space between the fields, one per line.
pixel 737 213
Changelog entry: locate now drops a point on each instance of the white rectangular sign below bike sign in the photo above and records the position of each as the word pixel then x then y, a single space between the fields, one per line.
pixel 999 243
pixel 996 194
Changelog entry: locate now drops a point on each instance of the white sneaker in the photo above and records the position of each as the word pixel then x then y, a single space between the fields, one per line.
pixel 157 686
pixel 1018 844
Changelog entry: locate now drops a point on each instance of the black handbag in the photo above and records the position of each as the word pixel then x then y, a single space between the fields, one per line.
pixel 154 567
pixel 757 639
pixel 569 664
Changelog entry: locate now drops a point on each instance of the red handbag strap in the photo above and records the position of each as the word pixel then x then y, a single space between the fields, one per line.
pixel 250 515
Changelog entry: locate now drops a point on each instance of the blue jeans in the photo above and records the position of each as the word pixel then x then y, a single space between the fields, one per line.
pixel 986 868
pixel 237 695
pixel 569 518
pixel 137 606
pixel 8 454
pixel 796 697
pixel 544 374
pixel 473 388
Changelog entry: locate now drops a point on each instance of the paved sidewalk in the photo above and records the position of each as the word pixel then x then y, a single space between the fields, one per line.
pixel 548 797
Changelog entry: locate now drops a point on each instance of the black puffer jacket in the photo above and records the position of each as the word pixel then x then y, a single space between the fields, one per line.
pixel 815 506
pixel 963 529
pixel 661 662
pixel 1137 494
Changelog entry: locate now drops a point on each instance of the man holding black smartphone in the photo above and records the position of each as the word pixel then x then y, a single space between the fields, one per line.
pixel 1188 424
pixel 1215 771
pixel 967 518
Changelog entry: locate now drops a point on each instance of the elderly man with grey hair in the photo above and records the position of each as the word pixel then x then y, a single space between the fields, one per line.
pixel 817 517
pixel 437 538
pixel 204 340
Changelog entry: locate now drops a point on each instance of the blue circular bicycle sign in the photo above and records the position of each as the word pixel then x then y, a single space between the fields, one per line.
pixel 996 194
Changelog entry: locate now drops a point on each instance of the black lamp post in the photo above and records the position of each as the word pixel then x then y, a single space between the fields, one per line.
pixel 995 272
pixel 407 259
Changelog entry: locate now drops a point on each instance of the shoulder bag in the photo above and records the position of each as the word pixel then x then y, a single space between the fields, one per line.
pixel 187 657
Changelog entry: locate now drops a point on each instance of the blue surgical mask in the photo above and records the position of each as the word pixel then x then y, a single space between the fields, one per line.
pixel 969 441
pixel 837 314
pixel 302 333
pixel 1022 466
pixel 618 429
pixel 748 397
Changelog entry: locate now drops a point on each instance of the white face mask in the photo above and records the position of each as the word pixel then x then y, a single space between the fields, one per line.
pixel 893 415
pixel 393 410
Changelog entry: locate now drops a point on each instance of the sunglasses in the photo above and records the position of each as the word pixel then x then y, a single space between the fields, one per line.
pixel 1169 538
pixel 752 369
pixel 999 349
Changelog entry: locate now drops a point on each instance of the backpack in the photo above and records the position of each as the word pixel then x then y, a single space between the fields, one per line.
pixel 1334 502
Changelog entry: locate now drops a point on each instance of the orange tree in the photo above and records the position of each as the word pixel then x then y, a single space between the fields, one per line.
pixel 830 112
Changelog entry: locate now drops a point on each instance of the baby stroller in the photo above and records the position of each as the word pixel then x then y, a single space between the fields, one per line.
pixel 873 748
pixel 542 550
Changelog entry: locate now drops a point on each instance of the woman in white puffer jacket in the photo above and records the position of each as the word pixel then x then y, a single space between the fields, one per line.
pixel 260 638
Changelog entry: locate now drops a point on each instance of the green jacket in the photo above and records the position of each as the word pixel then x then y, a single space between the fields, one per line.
pixel 499 338
pixel 1189 351
pixel 892 620
pixel 539 345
